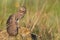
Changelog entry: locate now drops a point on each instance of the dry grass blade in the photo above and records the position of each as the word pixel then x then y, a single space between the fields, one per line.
pixel 4 6
pixel 55 3
pixel 38 16
pixel 28 18
pixel 56 18
pixel 57 21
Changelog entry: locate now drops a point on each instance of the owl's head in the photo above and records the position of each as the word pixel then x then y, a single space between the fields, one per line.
pixel 22 10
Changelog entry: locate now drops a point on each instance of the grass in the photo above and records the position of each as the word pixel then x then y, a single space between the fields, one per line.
pixel 42 17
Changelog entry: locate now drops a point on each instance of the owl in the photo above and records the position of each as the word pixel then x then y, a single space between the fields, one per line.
pixel 12 28
pixel 13 21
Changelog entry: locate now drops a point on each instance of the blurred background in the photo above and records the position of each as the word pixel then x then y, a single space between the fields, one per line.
pixel 43 16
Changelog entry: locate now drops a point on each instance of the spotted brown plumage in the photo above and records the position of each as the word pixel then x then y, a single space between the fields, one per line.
pixel 12 28
pixel 12 22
